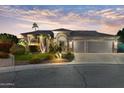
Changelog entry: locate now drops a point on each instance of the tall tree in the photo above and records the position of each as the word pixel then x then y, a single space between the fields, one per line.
pixel 44 39
pixel 35 26
pixel 120 33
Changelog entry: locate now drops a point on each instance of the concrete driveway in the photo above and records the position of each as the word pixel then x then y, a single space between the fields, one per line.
pixel 67 76
pixel 99 58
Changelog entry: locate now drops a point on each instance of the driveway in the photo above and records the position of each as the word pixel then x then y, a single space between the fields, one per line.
pixel 67 76
pixel 99 58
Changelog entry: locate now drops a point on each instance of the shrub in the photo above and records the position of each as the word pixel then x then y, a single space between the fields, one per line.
pixel 5 47
pixel 17 50
pixel 33 48
pixel 4 55
pixel 40 58
pixel 8 37
pixel 55 48
pixel 6 41
pixel 51 57
pixel 69 56
pixel 24 43
pixel 35 61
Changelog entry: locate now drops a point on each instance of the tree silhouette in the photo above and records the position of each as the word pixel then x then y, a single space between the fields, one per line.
pixel 120 33
pixel 35 26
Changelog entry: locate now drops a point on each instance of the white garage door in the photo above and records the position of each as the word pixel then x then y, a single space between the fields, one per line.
pixel 92 46
pixel 79 46
pixel 99 46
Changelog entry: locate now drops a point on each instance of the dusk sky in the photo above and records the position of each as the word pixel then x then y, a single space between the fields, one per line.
pixel 18 19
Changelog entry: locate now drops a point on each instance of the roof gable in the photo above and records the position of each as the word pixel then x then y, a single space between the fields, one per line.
pixel 61 29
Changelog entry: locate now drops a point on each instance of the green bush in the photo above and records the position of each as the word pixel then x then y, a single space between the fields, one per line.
pixel 33 48
pixel 34 57
pixel 5 47
pixel 54 48
pixel 39 58
pixel 35 61
pixel 51 56
pixel 69 56
pixel 17 50
pixel 6 42
pixel 4 55
pixel 8 37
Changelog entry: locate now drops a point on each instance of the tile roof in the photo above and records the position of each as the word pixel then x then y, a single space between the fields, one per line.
pixel 61 29
pixel 39 32
pixel 73 33
pixel 88 33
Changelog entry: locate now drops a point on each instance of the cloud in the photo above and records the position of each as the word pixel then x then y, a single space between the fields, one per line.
pixel 19 25
pixel 107 20
pixel 109 29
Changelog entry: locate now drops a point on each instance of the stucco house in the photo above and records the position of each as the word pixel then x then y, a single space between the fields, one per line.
pixel 78 41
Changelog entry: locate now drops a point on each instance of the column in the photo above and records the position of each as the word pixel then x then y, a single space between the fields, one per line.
pixel 85 46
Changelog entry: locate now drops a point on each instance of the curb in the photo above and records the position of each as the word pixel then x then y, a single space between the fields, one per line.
pixel 26 67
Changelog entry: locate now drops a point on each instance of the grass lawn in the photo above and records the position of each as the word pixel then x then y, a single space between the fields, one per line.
pixel 37 58
pixel 28 57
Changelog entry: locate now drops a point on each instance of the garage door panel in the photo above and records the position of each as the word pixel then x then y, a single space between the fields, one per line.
pixel 99 47
pixel 79 46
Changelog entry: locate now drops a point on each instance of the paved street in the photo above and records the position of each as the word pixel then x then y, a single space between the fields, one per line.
pixel 70 75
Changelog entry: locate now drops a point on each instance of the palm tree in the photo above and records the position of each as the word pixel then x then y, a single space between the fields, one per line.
pixel 35 26
pixel 24 43
pixel 44 39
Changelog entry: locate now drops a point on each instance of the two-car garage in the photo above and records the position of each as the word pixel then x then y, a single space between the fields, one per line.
pixel 93 46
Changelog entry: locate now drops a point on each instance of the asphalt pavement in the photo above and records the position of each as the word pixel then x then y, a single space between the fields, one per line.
pixel 66 76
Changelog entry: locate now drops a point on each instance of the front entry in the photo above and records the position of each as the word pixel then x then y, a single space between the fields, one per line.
pixel 62 42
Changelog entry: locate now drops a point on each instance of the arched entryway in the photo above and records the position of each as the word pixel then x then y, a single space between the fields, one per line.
pixel 62 41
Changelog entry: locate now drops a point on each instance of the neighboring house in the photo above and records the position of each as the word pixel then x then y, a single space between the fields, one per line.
pixel 78 41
